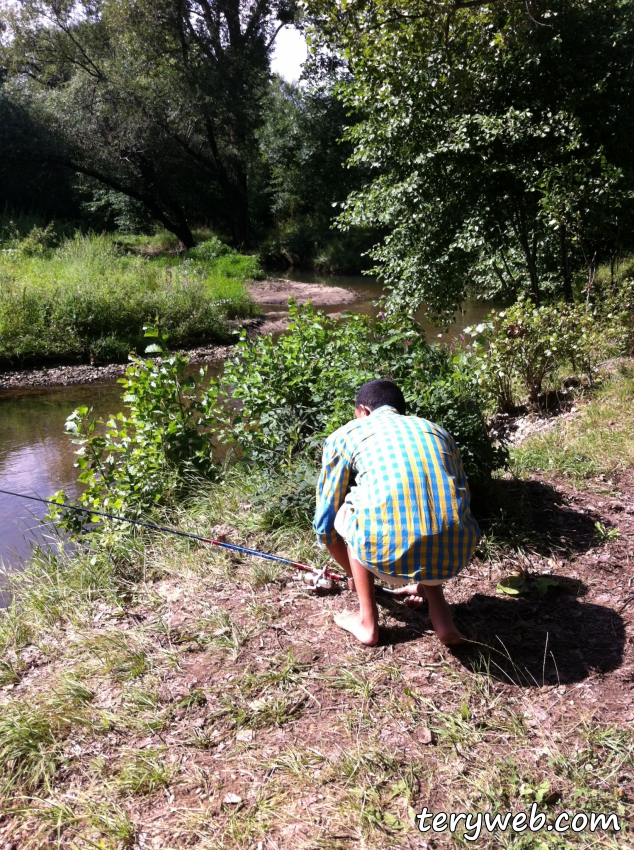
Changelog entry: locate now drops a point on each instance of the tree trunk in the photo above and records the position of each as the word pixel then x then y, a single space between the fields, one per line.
pixel 565 266
pixel 180 229
pixel 516 219
pixel 174 222
pixel 530 255
pixel 239 202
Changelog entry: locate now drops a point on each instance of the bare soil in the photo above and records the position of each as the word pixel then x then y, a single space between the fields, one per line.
pixel 277 292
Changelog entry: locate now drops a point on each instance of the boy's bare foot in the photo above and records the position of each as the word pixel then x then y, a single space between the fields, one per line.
pixel 351 621
pixel 441 617
pixel 451 637
pixel 415 594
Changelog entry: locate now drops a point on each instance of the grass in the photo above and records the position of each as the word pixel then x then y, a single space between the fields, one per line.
pixel 143 772
pixel 88 299
pixel 185 696
pixel 599 442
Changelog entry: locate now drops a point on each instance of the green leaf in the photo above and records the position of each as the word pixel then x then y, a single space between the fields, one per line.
pixel 543 583
pixel 512 585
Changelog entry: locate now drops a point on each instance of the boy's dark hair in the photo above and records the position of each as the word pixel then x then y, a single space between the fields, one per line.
pixel 375 394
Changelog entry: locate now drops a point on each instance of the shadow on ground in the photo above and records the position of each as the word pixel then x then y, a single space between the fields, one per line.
pixel 525 641
pixel 532 514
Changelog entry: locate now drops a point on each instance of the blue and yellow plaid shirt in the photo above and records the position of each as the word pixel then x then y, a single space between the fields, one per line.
pixel 407 495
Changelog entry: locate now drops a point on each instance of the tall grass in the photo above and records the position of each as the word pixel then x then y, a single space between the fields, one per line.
pixel 88 300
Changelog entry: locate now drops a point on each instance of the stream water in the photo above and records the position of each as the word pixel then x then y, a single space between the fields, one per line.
pixel 36 455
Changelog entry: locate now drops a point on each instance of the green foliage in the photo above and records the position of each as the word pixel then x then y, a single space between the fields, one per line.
pixel 520 351
pixel 29 749
pixel 165 112
pixel 143 772
pixel 238 267
pixel 209 251
pixel 287 395
pixel 137 461
pixel 499 151
pixel 87 299
pixel 597 443
pixel 304 179
pixel 38 242
pixel 288 497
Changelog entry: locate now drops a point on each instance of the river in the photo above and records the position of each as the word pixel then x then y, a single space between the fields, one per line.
pixel 36 455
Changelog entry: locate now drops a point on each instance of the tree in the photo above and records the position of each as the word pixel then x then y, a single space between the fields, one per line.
pixel 304 176
pixel 501 135
pixel 159 100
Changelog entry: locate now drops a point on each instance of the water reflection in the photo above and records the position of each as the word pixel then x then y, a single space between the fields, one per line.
pixel 472 312
pixel 36 456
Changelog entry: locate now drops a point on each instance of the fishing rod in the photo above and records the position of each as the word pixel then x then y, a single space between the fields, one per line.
pixel 319 577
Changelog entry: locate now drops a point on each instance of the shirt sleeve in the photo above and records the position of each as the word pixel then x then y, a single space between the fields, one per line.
pixel 332 488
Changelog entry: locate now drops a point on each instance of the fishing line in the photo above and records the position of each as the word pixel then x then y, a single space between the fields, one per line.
pixel 326 573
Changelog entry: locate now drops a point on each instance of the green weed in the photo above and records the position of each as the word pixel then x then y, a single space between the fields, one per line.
pixel 598 441
pixel 218 629
pixel 605 534
pixel 116 653
pixel 9 672
pixel 72 689
pixel 31 739
pixel 143 772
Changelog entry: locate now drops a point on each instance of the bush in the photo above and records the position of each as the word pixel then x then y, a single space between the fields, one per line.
pixel 132 463
pixel 219 260
pixel 291 393
pixel 88 300
pixel 521 351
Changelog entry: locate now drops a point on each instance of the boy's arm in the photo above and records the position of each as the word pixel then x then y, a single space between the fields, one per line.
pixel 332 487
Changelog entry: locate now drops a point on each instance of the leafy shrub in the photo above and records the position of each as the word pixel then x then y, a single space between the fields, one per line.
pixel 521 350
pixel 104 321
pixel 287 496
pixel 134 462
pixel 283 397
pixel 222 261
pixel 38 242
pixel 238 267
pixel 615 305
pixel 209 250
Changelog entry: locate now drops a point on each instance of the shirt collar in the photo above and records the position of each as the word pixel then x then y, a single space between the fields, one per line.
pixel 385 408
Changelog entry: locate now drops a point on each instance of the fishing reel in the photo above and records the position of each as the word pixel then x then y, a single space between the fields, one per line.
pixel 319 582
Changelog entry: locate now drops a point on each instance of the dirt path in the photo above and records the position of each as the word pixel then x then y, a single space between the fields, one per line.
pixel 278 731
pixel 277 292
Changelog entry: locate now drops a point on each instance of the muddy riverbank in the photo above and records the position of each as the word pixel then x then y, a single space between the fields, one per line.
pixel 66 376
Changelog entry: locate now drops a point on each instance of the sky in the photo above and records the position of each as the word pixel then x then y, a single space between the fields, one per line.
pixel 289 54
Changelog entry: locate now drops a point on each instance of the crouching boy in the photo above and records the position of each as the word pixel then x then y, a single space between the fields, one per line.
pixel 393 502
